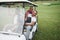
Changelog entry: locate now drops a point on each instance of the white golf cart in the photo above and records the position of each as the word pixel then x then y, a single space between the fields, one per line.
pixel 12 14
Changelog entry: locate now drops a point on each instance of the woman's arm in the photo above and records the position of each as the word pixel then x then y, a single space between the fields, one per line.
pixel 30 24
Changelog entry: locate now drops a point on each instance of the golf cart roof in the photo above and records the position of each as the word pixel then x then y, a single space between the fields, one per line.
pixel 12 2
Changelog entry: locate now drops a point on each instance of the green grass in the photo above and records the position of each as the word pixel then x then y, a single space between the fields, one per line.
pixel 48 22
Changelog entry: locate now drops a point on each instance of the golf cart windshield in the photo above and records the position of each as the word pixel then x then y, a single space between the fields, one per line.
pixel 12 16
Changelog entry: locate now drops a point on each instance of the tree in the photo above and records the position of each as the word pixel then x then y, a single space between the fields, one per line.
pixel 44 0
pixel 31 0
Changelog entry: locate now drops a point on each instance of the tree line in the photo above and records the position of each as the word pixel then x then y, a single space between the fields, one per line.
pixel 44 0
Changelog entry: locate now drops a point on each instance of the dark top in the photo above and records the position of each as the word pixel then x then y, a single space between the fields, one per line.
pixel 28 20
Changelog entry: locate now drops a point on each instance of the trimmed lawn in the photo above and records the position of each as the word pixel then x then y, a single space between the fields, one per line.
pixel 48 22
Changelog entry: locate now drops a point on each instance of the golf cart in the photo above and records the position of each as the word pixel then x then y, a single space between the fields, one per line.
pixel 12 14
